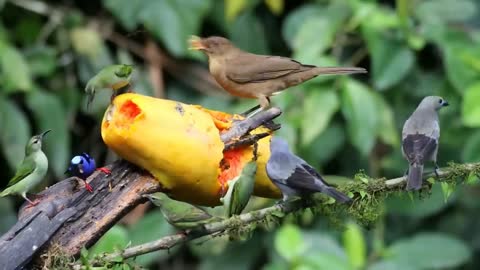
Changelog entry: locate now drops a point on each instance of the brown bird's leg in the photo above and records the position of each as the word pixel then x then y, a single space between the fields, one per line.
pixel 264 104
pixel 245 113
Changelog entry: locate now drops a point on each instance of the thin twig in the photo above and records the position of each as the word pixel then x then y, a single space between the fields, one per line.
pixel 155 67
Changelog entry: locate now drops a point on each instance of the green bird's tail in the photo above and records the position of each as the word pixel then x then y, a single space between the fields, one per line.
pixel 5 192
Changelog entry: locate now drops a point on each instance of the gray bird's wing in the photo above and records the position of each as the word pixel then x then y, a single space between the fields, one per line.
pixel 25 169
pixel 253 68
pixel 418 147
pixel 305 177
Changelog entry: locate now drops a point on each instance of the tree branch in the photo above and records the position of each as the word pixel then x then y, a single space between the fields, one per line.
pixel 455 173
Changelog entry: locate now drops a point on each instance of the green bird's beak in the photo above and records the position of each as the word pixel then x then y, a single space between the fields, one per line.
pixel 45 133
pixel 90 97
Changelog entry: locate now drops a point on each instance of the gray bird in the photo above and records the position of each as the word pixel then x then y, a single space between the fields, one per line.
pixel 420 136
pixel 294 176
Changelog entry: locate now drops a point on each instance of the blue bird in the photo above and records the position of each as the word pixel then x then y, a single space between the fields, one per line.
pixel 294 176
pixel 82 166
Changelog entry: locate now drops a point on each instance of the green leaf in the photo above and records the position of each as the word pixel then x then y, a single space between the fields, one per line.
pixel 41 60
pixel 126 11
pixel 174 21
pixel 319 107
pixel 323 261
pixel 151 226
pixel 447 190
pixel 391 60
pixel 49 113
pixel 330 142
pixel 87 42
pixel 275 265
pixel 355 245
pixel 289 242
pixel 443 11
pixel 296 19
pixel 461 63
pixel 359 109
pixel 115 239
pixel 415 207
pixel 371 15
pixel 237 256
pixel 234 7
pixel 14 69
pixel 387 131
pixel 307 43
pixel 470 106
pixel 471 150
pixel 387 265
pixel 275 6
pixel 322 243
pixel 431 251
pixel 14 132
pixel 248 33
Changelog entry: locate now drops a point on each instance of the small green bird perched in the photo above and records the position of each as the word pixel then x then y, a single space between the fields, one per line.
pixel 239 190
pixel 32 170
pixel 114 77
pixel 179 214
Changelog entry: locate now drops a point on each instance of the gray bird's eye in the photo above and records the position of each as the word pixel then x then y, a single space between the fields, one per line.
pixel 440 101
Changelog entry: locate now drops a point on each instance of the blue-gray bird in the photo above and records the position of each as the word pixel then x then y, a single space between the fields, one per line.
pixel 294 176
pixel 420 136
pixel 32 170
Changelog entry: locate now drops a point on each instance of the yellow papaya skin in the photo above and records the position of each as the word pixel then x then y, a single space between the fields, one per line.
pixel 180 145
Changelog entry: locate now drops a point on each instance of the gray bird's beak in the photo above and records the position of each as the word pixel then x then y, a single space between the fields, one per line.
pixel 445 103
pixel 45 133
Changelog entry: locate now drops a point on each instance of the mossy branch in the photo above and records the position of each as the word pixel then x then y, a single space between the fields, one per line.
pixel 367 193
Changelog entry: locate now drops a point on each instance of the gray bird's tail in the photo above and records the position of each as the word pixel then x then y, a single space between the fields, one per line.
pixel 338 70
pixel 337 195
pixel 414 180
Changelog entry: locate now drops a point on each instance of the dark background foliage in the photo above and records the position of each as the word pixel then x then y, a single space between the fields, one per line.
pixel 412 48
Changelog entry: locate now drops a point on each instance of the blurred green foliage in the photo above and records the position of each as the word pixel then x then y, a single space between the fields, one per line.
pixel 412 48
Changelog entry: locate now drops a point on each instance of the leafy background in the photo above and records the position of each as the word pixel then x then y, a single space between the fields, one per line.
pixel 412 48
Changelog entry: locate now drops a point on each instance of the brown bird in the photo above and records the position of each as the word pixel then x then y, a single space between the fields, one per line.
pixel 251 75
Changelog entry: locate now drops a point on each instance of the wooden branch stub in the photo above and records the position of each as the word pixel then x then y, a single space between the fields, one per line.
pixel 243 127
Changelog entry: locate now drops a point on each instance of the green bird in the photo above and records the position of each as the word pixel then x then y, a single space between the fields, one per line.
pixel 32 170
pixel 239 190
pixel 113 76
pixel 179 214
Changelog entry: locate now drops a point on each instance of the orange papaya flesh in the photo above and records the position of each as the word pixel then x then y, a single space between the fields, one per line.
pixel 180 146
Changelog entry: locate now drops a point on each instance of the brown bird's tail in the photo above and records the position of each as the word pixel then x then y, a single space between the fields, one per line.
pixel 414 180
pixel 338 70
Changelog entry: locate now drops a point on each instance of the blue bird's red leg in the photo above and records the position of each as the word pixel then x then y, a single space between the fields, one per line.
pixel 88 187
pixel 104 170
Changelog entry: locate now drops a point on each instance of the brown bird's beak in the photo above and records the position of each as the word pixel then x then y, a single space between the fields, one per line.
pixel 196 43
